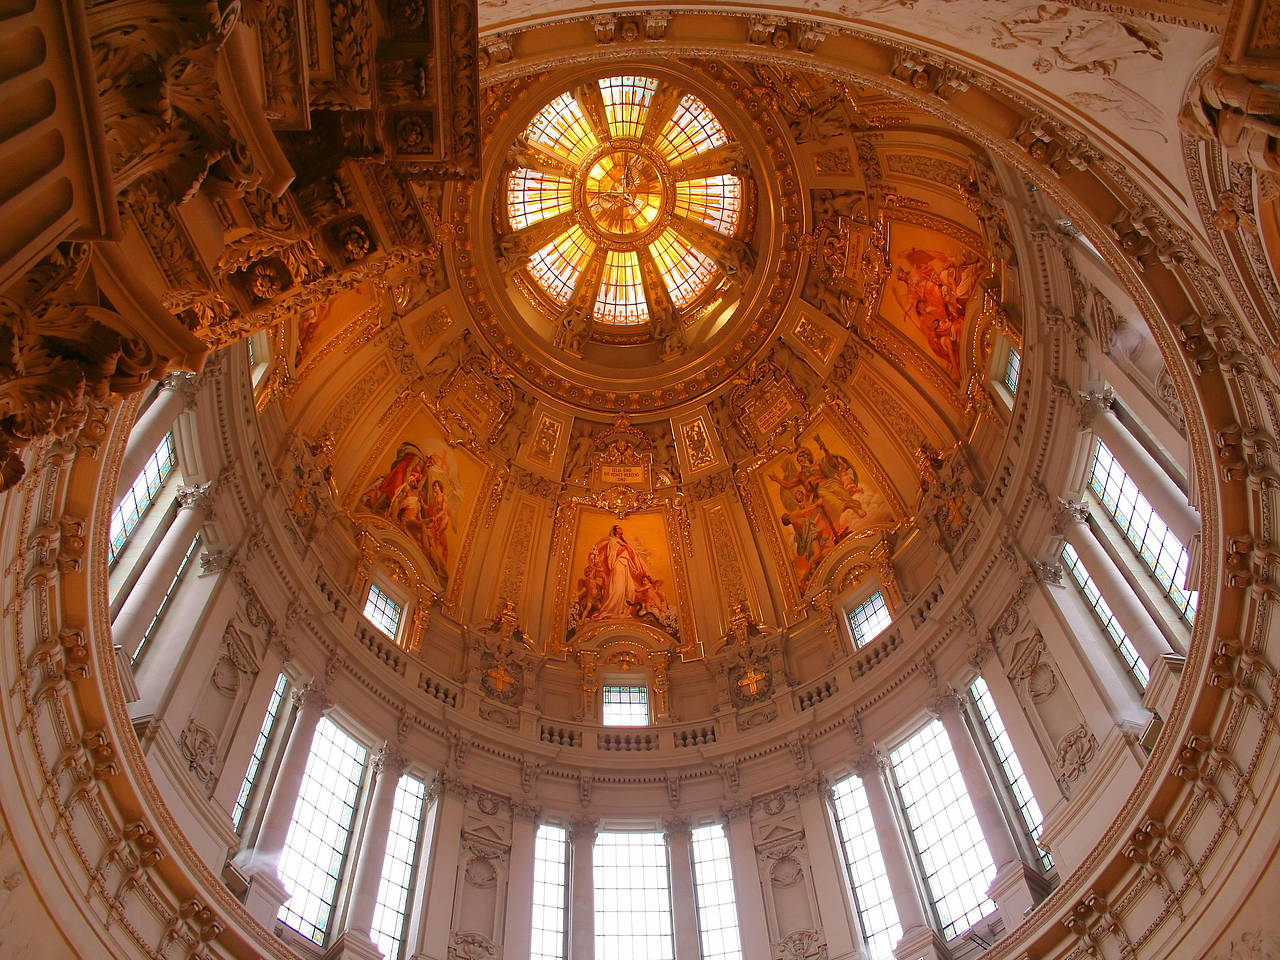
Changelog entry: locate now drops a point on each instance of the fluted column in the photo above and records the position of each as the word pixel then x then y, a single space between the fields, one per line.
pixel 355 942
pixel 1161 492
pixel 517 936
pixel 130 624
pixel 582 891
pixel 261 862
pixel 684 910
pixel 1129 612
pixel 176 394
pixel 834 907
pixel 1013 889
pixel 747 893
pixel 918 938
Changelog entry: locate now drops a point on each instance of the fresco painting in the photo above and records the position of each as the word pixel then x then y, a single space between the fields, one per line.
pixel 621 571
pixel 932 291
pixel 426 488
pixel 820 498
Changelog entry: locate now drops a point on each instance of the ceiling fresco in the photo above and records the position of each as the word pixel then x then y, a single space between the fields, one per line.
pixel 595 488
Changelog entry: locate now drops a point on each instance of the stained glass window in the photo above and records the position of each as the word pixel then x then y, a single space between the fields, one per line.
pixel 538 195
pixel 167 599
pixel 625 706
pixel 693 129
pixel 714 201
pixel 383 612
pixel 627 195
pixel 869 619
pixel 562 126
pixel 626 102
pixel 1012 369
pixel 687 270
pixel 621 298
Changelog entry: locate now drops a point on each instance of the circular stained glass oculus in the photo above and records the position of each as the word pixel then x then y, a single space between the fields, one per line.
pixel 623 192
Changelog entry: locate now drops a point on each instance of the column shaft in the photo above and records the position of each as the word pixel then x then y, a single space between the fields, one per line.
pixel 247 729
pixel 986 805
pixel 149 429
pixel 747 893
pixel 826 862
pixel 898 868
pixel 582 898
pixel 517 937
pixel 684 911
pixel 373 848
pixel 262 861
pixel 438 893
pixel 144 599
pixel 1115 589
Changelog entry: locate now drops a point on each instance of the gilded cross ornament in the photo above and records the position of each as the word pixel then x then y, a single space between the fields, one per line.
pixel 500 677
pixel 752 680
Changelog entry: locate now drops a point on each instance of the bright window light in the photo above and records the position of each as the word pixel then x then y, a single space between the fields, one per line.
pixel 1110 626
pixel 713 890
pixel 868 619
pixel 1032 819
pixel 383 612
pixel 135 501
pixel 1160 550
pixel 398 866
pixel 259 750
pixel 871 892
pixel 625 706
pixel 632 897
pixel 550 893
pixel 1012 369
pixel 957 864
pixel 178 577
pixel 316 846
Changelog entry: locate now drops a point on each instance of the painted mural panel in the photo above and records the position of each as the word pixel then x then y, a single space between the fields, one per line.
pixel 931 291
pixel 820 495
pixel 621 570
pixel 427 489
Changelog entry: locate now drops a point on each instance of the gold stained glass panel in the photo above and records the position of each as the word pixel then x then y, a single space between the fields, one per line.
pixel 686 271
pixel 621 298
pixel 626 101
pixel 618 194
pixel 562 126
pixel 533 195
pixel 692 129
pixel 557 265
pixel 715 201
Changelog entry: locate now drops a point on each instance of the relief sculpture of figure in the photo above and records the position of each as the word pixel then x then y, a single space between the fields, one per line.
pixel 1240 114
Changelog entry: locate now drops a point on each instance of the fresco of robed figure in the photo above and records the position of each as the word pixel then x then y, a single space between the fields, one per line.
pixel 421 494
pixel 621 578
